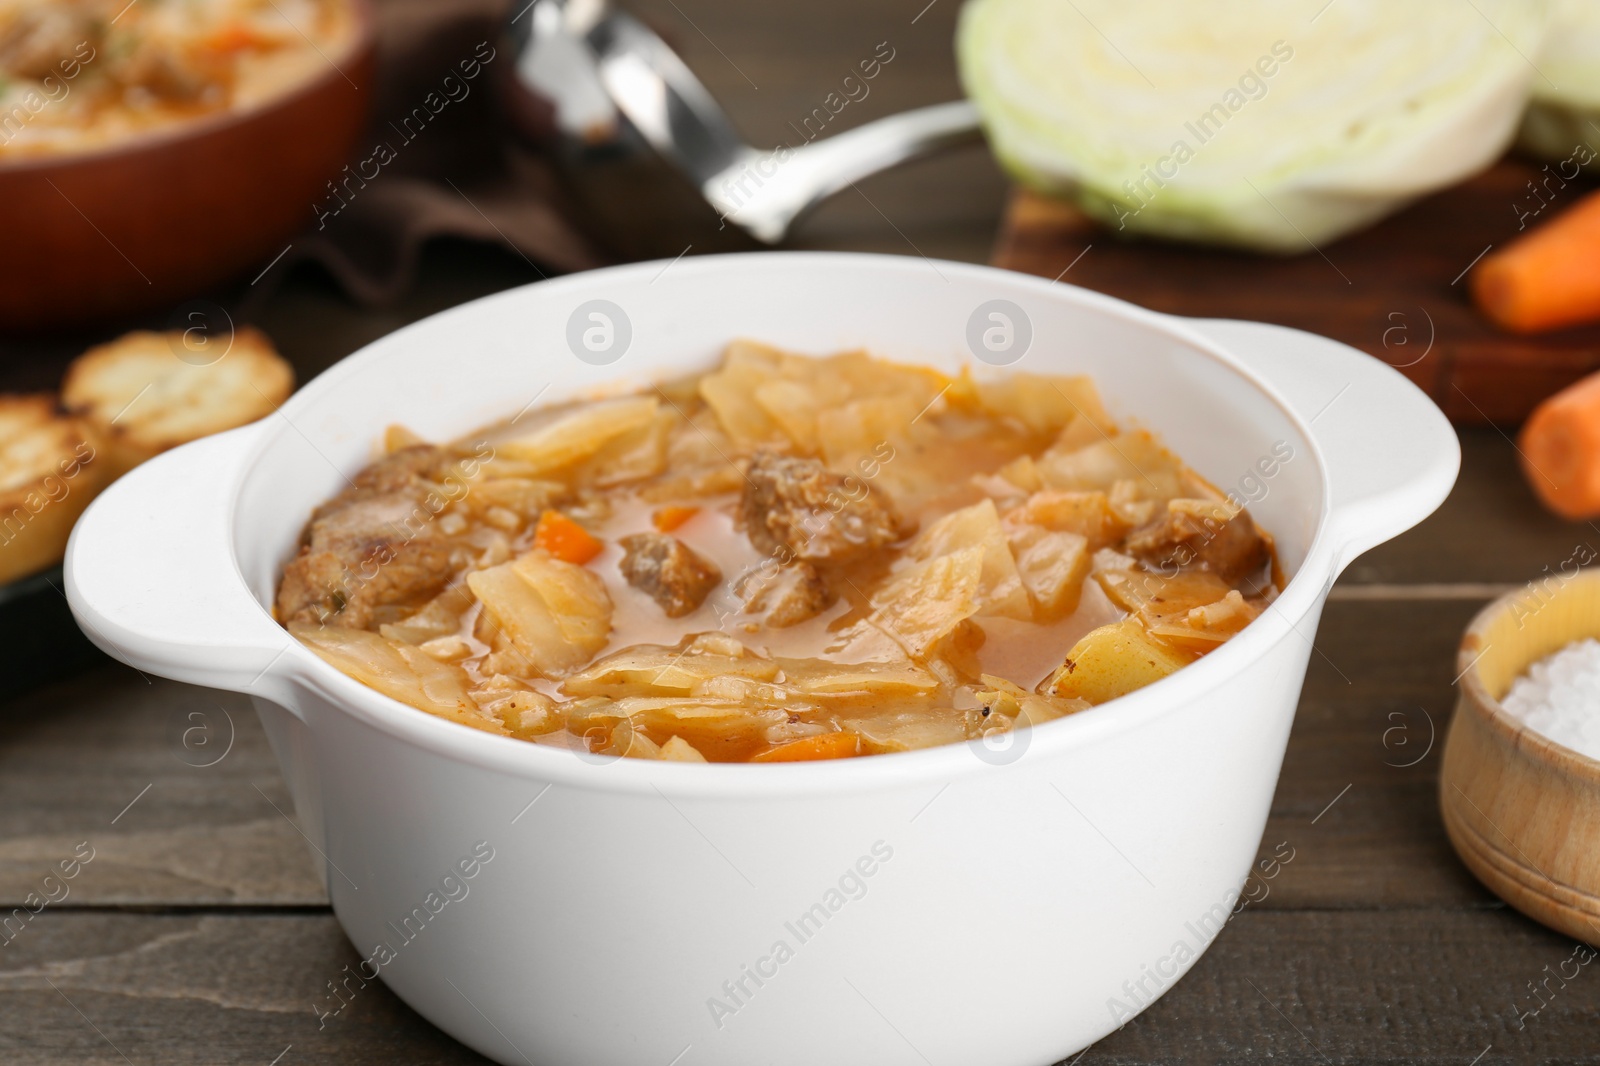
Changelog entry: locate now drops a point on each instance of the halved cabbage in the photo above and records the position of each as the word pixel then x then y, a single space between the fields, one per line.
pixel 1563 119
pixel 1270 124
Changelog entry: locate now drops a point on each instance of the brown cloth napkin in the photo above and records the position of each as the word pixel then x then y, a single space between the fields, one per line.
pixel 444 162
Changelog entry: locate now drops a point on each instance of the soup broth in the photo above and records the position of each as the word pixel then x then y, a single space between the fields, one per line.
pixel 785 559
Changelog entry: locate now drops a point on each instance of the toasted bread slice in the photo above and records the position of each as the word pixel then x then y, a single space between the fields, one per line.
pixel 142 398
pixel 49 471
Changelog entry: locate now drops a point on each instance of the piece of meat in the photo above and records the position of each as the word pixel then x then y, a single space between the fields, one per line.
pixel 667 570
pixel 800 506
pixel 786 595
pixel 372 546
pixel 1199 533
pixel 377 551
pixel 412 472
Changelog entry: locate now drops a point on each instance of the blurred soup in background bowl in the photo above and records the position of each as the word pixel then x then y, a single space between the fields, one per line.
pixel 152 149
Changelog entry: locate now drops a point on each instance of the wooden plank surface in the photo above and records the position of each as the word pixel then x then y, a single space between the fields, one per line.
pixel 172 786
pixel 1427 986
pixel 1395 290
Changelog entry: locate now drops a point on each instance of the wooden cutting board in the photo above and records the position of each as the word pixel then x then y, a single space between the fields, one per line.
pixel 1397 290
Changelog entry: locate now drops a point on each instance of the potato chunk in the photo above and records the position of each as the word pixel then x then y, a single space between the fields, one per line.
pixel 1113 661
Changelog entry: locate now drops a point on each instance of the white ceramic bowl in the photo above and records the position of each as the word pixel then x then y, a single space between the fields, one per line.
pixel 952 905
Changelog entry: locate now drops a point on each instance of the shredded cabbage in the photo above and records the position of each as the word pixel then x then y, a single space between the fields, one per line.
pixel 1269 124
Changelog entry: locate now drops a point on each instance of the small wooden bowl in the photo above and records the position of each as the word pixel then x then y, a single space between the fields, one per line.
pixel 146 222
pixel 1522 811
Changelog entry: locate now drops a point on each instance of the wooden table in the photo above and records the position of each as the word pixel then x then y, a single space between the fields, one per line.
pixel 200 934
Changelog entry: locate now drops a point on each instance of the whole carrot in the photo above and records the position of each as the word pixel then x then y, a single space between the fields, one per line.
pixel 1547 279
pixel 1560 447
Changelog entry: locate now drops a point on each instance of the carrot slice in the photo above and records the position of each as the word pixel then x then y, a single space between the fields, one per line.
pixel 1560 446
pixel 669 518
pixel 233 37
pixel 565 539
pixel 810 749
pixel 1547 279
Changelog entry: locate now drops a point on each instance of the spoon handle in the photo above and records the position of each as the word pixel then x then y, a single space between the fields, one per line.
pixel 764 191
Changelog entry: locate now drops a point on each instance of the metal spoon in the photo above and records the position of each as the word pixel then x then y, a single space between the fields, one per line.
pixel 653 158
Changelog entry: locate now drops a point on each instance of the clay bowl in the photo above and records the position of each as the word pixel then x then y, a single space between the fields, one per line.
pixel 1522 811
pixel 148 222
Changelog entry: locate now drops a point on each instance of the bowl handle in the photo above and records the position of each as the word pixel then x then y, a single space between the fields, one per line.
pixel 151 577
pixel 1390 453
